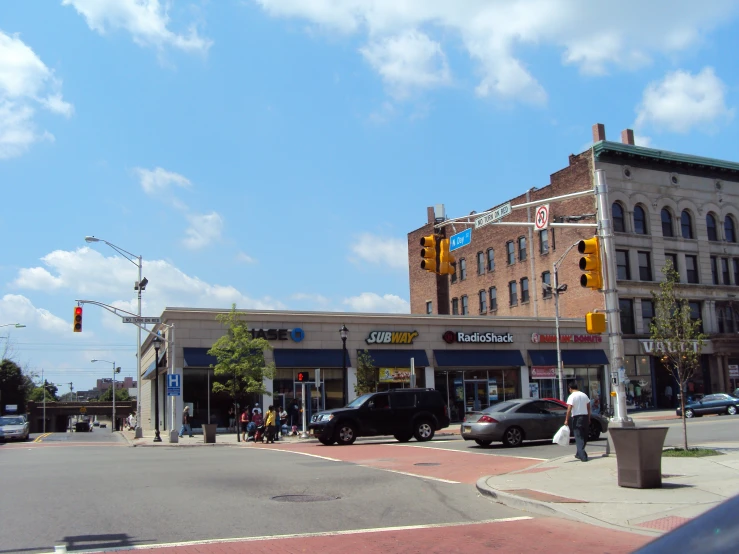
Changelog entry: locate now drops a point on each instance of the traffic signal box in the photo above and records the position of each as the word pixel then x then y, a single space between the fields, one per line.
pixel 431 252
pixel 447 262
pixel 595 323
pixel 590 263
pixel 303 376
pixel 77 322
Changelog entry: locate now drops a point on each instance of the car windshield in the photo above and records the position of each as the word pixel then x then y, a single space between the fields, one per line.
pixel 357 402
pixel 11 421
pixel 501 407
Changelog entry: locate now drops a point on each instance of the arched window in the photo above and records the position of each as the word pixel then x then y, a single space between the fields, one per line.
pixel 686 225
pixel 711 227
pixel 666 223
pixel 619 225
pixel 640 221
pixel 729 233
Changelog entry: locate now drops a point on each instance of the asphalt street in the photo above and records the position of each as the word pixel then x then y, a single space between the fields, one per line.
pixel 701 430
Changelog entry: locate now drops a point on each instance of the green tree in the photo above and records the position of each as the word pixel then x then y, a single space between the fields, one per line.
pixel 676 337
pixel 37 394
pixel 366 374
pixel 14 385
pixel 241 368
pixel 121 395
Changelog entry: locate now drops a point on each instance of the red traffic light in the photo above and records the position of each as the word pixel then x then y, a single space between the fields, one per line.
pixel 303 376
pixel 77 323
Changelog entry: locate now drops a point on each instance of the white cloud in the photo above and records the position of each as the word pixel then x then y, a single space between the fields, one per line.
pixel 25 84
pixel 594 36
pixel 146 20
pixel 19 309
pixel 370 302
pixel 158 180
pixel 245 258
pixel 382 251
pixel 682 101
pixel 204 229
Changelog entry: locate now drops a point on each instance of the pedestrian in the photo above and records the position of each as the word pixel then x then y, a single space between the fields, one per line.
pixel 578 408
pixel 282 426
pixel 257 408
pixel 270 424
pixel 668 396
pixel 294 415
pixel 231 418
pixel 244 423
pixel 186 420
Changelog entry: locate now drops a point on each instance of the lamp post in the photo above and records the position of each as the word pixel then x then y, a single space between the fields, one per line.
pixel 344 332
pixel 138 286
pixel 16 325
pixel 156 341
pixel 115 370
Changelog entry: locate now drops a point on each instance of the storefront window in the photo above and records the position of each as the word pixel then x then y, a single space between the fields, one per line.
pixel 196 382
pixel 639 390
pixel 286 388
pixel 473 390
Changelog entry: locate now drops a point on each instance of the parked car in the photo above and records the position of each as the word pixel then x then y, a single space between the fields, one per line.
pixel 14 428
pixel 514 421
pixel 711 404
pixel 403 413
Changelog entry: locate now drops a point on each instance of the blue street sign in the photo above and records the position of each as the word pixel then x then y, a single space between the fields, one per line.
pixel 173 381
pixel 460 239
pixel 173 391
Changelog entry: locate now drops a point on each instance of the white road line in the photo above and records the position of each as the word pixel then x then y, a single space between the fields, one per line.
pixel 307 535
pixel 303 454
pixel 470 452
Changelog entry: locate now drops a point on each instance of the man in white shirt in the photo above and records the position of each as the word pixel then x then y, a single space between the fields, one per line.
pixel 578 408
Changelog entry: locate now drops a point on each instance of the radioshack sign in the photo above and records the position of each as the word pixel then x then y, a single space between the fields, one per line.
pixel 537 338
pixel 391 337
pixel 485 337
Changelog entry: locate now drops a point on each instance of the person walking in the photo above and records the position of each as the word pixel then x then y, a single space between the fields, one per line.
pixel 231 418
pixel 244 423
pixel 668 396
pixel 269 422
pixel 578 408
pixel 186 419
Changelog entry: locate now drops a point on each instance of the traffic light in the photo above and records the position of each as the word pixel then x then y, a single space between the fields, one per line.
pixel 303 376
pixel 447 262
pixel 595 323
pixel 77 325
pixel 430 253
pixel 590 264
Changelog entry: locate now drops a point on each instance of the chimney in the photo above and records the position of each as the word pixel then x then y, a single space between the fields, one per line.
pixel 599 132
pixel 627 136
pixel 430 215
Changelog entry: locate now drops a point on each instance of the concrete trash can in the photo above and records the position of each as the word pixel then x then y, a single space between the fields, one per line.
pixel 209 432
pixel 639 455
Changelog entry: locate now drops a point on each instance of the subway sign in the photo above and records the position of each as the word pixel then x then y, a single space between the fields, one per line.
pixel 391 337
pixel 486 337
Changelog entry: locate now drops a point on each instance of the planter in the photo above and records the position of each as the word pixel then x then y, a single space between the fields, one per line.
pixel 209 432
pixel 639 455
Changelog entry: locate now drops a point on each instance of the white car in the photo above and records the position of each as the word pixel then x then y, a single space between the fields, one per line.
pixel 14 428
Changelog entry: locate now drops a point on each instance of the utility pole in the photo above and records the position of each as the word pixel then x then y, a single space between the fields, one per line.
pixel 43 385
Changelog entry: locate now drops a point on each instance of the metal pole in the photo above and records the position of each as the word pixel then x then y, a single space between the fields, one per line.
pixel 560 371
pixel 112 427
pixel 157 437
pixel 139 430
pixel 608 257
pixel 304 434
pixel 173 434
pixel 43 384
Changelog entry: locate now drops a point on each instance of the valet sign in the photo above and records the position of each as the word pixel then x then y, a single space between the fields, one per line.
pixel 483 337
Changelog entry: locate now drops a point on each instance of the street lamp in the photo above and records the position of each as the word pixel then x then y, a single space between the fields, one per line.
pixel 344 332
pixel 16 325
pixel 157 342
pixel 138 286
pixel 115 370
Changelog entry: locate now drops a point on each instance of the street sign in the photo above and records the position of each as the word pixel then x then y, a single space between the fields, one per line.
pixel 173 384
pixel 460 239
pixel 142 320
pixel 83 410
pixel 494 215
pixel 541 220
pixel 173 391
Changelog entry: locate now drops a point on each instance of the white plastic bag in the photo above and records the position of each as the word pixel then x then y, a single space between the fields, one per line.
pixel 562 437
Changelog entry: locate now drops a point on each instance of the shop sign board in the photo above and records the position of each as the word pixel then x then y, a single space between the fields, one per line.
pixel 658 347
pixel 733 371
pixel 543 372
pixel 539 338
pixel 394 375
pixel 391 337
pixel 296 334
pixel 476 337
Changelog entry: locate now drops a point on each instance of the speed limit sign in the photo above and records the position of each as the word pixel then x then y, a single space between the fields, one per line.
pixel 541 220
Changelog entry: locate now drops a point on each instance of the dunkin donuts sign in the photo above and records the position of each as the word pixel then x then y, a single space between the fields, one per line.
pixel 537 338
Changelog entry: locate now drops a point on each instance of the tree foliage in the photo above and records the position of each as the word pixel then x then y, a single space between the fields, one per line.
pixel 241 368
pixel 14 385
pixel 677 338
pixel 121 395
pixel 37 393
pixel 366 374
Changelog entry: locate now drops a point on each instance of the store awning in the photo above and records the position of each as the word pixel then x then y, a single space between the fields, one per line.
pixel 572 358
pixel 198 357
pixel 398 358
pixel 478 358
pixel 309 358
pixel 149 373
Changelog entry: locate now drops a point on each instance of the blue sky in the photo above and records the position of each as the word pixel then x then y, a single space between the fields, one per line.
pixel 275 153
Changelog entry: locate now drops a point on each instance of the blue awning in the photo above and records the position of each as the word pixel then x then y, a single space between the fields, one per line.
pixel 149 373
pixel 570 358
pixel 478 358
pixel 398 358
pixel 198 357
pixel 309 358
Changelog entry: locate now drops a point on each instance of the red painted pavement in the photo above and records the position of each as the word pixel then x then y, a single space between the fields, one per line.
pixel 536 536
pixel 460 466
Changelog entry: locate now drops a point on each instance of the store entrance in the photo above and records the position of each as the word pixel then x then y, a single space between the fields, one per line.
pixel 315 399
pixel 476 395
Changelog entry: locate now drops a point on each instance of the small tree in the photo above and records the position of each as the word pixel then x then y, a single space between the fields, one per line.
pixel 677 338
pixel 121 395
pixel 37 394
pixel 14 385
pixel 366 374
pixel 240 356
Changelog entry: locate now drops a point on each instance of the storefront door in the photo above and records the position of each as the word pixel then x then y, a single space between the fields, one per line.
pixel 476 395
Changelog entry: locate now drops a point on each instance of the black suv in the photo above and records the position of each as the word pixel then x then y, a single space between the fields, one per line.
pixel 403 413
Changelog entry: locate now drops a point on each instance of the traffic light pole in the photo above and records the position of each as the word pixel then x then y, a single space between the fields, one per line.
pixel 304 434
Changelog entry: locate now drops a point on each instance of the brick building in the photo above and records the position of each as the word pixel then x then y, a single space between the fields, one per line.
pixel 664 206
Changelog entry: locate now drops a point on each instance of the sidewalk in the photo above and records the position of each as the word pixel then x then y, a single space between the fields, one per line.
pixel 589 492
pixel 654 415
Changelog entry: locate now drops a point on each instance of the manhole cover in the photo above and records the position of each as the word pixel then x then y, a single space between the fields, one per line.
pixel 303 498
pixel 427 464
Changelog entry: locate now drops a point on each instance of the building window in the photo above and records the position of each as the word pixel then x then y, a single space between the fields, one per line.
pixel 711 227
pixel 695 314
pixel 454 275
pixel 672 259
pixel 493 299
pixel 546 279
pixel 686 225
pixel 544 241
pixel 619 224
pixel 512 293
pixel 666 223
pixel 462 269
pixel 429 307
pixel 483 302
pixel 521 248
pixel 647 315
pixel 491 259
pixel 465 305
pixel 714 270
pixel 455 306
pixel 735 261
pixel 622 265
pixel 480 263
pixel 725 273
pixel 691 269
pixel 640 221
pixel 729 234
pixel 645 266
pixel 511 250
pixel 525 289
pixel 727 318
pixel 626 308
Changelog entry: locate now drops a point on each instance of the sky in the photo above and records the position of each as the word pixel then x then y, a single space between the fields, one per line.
pixel 275 153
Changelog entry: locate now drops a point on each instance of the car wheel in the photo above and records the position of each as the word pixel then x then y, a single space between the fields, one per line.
pixel 424 431
pixel 481 442
pixel 326 442
pixel 404 437
pixel 731 410
pixel 345 434
pixel 594 431
pixel 689 413
pixel 513 436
